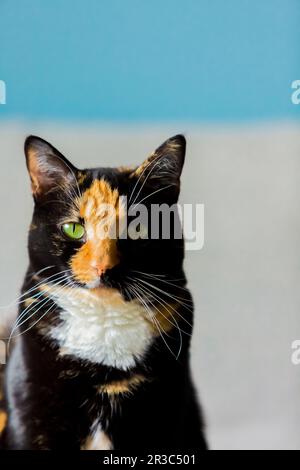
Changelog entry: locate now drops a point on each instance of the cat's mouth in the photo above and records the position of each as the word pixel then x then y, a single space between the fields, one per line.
pixel 103 284
pixel 113 280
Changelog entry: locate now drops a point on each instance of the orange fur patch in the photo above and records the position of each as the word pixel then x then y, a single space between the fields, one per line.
pixel 167 316
pixel 146 164
pixel 3 419
pixel 122 386
pixel 81 177
pixel 29 301
pixel 171 147
pixel 99 208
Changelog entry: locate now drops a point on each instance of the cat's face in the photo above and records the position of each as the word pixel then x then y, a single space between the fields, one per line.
pixel 85 221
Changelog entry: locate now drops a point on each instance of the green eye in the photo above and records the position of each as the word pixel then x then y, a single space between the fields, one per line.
pixel 73 230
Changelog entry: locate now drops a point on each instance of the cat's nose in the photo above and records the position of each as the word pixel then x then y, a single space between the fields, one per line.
pixel 106 260
pixel 102 268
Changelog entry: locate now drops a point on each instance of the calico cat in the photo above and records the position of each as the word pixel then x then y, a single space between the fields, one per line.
pixel 101 353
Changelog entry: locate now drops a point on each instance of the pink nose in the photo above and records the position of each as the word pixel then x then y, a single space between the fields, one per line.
pixel 103 267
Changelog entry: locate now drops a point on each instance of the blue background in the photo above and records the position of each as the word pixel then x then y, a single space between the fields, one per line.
pixel 158 60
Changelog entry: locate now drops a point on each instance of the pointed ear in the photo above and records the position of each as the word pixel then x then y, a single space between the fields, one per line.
pixel 164 166
pixel 47 167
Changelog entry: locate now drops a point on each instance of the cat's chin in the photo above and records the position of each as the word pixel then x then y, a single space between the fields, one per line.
pixel 104 293
pixel 103 290
pixel 96 284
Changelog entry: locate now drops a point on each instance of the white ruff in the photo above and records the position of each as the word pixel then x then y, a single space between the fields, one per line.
pixel 99 326
pixel 98 440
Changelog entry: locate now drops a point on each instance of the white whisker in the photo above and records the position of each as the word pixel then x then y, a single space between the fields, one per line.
pixel 153 319
pixel 174 297
pixel 153 276
pixel 145 180
pixel 41 304
pixel 18 301
pixel 149 195
pixel 165 305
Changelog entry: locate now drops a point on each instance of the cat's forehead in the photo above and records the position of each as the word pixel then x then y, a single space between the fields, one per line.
pixel 119 178
pixel 99 194
pixel 94 193
pixel 100 191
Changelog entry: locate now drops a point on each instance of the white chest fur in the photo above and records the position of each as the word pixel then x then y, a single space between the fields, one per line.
pixel 99 326
pixel 98 440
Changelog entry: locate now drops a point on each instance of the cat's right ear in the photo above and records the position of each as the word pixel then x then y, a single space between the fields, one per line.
pixel 47 167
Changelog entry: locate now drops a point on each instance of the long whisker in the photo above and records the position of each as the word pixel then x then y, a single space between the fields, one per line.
pixel 153 319
pixel 165 305
pixel 32 307
pixel 33 325
pixel 164 340
pixel 137 295
pixel 155 295
pixel 149 195
pixel 139 179
pixel 71 170
pixel 50 279
pixel 41 271
pixel 52 299
pixel 71 193
pixel 174 297
pixel 153 276
pixel 34 304
pixel 32 289
pixel 160 275
pixel 42 304
pixel 145 180
pixel 175 325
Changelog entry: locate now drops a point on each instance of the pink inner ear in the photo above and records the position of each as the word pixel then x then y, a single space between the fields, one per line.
pixel 42 175
pixel 166 162
pixel 46 171
pixel 47 166
pixel 34 172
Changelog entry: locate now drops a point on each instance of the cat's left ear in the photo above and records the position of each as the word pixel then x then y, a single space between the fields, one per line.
pixel 47 167
pixel 164 166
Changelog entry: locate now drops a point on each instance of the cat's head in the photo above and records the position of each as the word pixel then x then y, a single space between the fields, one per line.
pixel 87 223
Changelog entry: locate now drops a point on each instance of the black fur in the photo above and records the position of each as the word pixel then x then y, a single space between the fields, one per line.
pixel 51 400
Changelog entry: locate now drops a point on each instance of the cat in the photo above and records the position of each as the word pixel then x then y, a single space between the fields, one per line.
pixel 101 345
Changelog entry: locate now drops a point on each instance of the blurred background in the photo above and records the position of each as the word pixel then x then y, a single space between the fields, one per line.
pixel 106 82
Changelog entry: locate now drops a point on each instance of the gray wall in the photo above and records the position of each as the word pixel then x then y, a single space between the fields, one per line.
pixel 245 281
